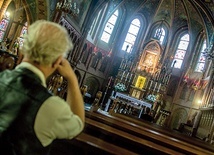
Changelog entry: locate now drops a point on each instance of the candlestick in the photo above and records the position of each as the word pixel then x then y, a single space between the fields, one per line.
pixel 157 76
pixel 130 77
pixel 109 83
pixel 122 75
pixel 121 64
pixel 164 78
pixel 150 84
pixel 167 80
pixel 159 87
pixel 155 85
pixel 127 76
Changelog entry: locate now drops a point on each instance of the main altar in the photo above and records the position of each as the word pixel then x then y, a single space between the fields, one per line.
pixel 141 82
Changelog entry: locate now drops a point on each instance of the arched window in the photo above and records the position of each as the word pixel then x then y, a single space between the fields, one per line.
pixel 201 60
pixel 4 24
pixel 181 51
pixel 131 35
pixel 160 34
pixel 109 27
pixel 23 32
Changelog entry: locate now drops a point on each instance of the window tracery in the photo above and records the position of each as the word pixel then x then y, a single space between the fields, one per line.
pixel 181 51
pixel 109 27
pixel 3 25
pixel 201 60
pixel 131 35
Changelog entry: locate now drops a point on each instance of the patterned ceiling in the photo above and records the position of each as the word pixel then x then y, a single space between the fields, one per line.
pixel 196 15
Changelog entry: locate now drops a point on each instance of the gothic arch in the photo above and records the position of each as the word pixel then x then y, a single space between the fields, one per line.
pixel 93 85
pixel 4 7
pixel 179 116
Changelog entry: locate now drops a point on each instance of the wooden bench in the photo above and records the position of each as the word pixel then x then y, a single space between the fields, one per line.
pixel 87 144
pixel 103 145
pixel 155 134
pixel 126 140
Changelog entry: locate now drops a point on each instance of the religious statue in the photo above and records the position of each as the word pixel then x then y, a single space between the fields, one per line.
pixel 16 47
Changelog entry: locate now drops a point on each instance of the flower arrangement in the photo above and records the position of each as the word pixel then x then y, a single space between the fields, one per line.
pixel 120 87
pixel 151 98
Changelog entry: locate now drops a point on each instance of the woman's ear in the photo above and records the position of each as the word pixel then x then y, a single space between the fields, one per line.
pixel 57 62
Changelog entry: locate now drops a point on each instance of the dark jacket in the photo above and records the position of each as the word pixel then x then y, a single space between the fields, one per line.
pixel 21 95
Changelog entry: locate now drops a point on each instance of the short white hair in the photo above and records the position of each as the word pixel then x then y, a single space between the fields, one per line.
pixel 45 42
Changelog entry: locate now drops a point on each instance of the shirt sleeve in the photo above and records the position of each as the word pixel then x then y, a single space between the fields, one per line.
pixel 55 120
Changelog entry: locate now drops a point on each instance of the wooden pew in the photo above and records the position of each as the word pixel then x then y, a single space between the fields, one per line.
pixel 87 144
pixel 104 146
pixel 155 134
pixel 126 140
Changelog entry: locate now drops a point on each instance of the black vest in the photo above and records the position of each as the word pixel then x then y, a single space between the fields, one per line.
pixel 21 95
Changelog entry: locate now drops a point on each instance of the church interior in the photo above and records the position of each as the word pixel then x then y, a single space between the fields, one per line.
pixel 130 55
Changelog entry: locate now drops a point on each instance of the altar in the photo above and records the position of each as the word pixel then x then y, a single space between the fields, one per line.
pixel 128 105
pixel 132 100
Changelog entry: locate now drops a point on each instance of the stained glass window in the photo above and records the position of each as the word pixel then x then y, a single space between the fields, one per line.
pixel 1 35
pixel 131 35
pixel 201 60
pixel 23 32
pixel 181 51
pixel 160 35
pixel 109 27
pixel 3 25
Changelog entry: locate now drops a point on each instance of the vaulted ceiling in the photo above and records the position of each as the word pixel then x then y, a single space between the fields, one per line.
pixel 196 15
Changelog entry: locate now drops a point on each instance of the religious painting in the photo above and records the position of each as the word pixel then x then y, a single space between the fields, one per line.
pixel 150 56
pixel 148 62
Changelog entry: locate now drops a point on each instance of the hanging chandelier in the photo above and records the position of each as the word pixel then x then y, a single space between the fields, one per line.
pixel 68 6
